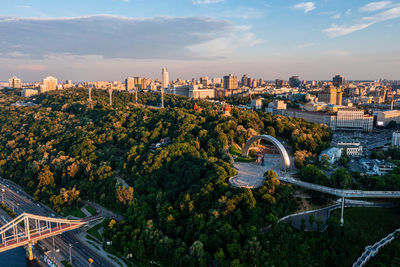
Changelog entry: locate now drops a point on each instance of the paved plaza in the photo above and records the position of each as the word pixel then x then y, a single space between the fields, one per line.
pixel 251 175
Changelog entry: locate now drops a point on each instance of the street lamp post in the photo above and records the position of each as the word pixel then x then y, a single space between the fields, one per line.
pixel 70 255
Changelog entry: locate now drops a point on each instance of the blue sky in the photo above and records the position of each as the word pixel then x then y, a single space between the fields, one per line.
pixel 113 39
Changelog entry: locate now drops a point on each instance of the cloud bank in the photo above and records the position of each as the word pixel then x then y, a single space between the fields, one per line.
pixel 111 36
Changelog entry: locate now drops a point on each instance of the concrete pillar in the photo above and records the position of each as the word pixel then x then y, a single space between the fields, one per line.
pixel 341 217
pixel 30 253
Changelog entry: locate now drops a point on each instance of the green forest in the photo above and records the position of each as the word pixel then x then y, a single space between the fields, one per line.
pixel 179 208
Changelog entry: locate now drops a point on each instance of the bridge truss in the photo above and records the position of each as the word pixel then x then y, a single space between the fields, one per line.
pixel 27 229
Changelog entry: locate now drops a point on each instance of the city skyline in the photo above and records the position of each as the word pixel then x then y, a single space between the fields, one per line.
pixel 112 40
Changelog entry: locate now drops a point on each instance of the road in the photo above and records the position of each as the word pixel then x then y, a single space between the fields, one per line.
pixel 20 202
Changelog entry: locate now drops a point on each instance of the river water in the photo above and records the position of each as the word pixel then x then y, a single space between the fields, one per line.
pixel 15 258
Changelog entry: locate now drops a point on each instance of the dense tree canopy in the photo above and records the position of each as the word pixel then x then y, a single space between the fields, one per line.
pixel 178 207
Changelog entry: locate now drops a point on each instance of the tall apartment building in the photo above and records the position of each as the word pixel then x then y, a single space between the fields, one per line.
pixel 338 81
pixel 165 78
pixel 230 82
pixel 294 81
pixel 48 84
pixel 331 95
pixel 129 83
pixel 15 83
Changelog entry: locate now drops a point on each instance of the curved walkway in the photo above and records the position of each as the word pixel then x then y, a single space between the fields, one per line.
pixel 371 251
pixel 252 176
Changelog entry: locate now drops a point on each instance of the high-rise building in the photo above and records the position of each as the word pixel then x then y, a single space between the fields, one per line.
pixel 230 82
pixel 245 80
pixel 49 84
pixel 165 78
pixel 204 81
pixel 338 81
pixel 331 95
pixel 15 83
pixel 129 83
pixel 279 83
pixel 294 81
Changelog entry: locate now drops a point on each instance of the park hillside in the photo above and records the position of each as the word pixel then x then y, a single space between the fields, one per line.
pixel 178 207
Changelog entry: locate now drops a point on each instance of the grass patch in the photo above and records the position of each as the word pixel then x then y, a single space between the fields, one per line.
pixel 91 210
pixel 76 212
pixel 94 231
pixel 66 263
pixel 370 224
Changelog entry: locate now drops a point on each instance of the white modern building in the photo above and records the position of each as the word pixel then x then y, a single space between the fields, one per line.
pixel 165 78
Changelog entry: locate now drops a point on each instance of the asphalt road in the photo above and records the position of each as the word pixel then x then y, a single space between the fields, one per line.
pixel 20 202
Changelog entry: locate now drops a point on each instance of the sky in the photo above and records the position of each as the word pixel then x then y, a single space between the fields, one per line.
pixel 89 40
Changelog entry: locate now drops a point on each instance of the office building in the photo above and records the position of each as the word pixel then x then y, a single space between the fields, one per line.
pixel 294 81
pixel 15 83
pixel 165 78
pixel 49 84
pixel 331 95
pixel 196 91
pixel 353 120
pixel 230 82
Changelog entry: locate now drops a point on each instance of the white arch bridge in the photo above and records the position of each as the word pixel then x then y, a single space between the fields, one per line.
pixel 27 229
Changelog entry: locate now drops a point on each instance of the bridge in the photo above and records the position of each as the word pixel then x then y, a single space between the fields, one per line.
pixel 27 229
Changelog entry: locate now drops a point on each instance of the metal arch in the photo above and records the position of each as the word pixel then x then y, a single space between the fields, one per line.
pixel 273 140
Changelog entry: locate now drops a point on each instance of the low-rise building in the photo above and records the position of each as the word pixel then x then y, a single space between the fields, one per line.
pixel 256 104
pixel 385 117
pixel 28 92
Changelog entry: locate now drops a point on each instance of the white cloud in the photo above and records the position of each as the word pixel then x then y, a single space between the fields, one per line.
pixel 110 36
pixel 305 6
pixel 337 16
pixel 205 2
pixel 336 31
pixel 375 6
pixel 227 45
pixel 349 11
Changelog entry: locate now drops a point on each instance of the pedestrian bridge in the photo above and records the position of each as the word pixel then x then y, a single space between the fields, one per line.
pixel 340 192
pixel 26 229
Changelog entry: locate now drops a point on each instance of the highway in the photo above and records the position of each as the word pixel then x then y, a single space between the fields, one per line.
pixel 20 202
